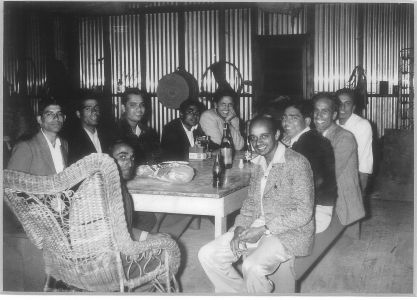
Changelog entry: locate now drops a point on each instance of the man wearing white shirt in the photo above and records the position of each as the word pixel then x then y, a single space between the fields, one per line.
pixel 361 129
pixel 275 222
pixel 88 137
pixel 45 153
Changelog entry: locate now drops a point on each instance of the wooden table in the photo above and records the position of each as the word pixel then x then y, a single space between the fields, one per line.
pixel 197 197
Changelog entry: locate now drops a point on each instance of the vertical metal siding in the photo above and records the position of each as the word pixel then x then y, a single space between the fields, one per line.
pixel 335 49
pixel 202 47
pixel 125 57
pixel 272 23
pixel 388 28
pixel 91 52
pixel 161 59
pixel 239 52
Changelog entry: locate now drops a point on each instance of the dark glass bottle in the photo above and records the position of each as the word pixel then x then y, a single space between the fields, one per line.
pixel 226 147
pixel 248 151
pixel 218 171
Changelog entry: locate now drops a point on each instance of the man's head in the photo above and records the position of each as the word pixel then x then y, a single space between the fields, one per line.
pixel 264 135
pixel 297 116
pixel 50 116
pixel 224 101
pixel 325 110
pixel 135 105
pixel 190 111
pixel 88 110
pixel 124 155
pixel 346 99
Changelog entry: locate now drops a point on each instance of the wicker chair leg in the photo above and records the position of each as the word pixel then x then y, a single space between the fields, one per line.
pixel 168 273
pixel 47 286
pixel 176 286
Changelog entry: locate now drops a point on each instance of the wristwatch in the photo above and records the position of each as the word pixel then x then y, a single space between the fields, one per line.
pixel 267 231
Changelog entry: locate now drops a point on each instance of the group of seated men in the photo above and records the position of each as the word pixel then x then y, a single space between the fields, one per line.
pixel 313 162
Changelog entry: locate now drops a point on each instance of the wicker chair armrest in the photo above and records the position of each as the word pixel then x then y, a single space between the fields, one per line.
pixel 166 244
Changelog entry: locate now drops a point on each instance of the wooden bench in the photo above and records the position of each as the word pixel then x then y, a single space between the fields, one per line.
pixel 289 275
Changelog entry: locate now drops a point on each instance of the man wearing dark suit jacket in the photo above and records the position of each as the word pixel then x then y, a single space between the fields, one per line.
pixel 319 152
pixel 87 136
pixel 45 153
pixel 180 134
pixel 349 204
pixel 132 126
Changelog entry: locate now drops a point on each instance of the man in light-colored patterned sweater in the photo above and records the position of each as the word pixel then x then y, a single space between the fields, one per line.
pixel 275 222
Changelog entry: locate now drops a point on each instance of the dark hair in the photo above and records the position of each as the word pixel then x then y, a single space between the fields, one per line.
pixel 135 91
pixel 45 103
pixel 191 102
pixel 84 95
pixel 305 107
pixel 348 92
pixel 118 142
pixel 274 124
pixel 225 92
pixel 327 95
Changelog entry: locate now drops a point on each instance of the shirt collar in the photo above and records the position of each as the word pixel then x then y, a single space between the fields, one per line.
pixel 89 132
pixel 57 141
pixel 279 157
pixel 294 139
pixel 192 128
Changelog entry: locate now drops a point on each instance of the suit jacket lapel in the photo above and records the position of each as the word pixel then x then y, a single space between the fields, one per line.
pixel 45 152
pixel 274 180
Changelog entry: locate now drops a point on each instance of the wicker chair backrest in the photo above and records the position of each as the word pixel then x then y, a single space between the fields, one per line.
pixel 76 217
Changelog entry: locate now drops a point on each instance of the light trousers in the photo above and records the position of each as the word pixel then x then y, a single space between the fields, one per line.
pixel 216 258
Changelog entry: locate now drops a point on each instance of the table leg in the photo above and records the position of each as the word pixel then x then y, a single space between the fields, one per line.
pixel 219 226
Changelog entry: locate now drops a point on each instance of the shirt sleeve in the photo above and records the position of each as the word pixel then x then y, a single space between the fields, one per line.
pixel 21 158
pixel 365 156
pixel 235 132
pixel 209 125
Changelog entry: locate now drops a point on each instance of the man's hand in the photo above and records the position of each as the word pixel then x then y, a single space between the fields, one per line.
pixel 234 243
pixel 252 234
pixel 231 115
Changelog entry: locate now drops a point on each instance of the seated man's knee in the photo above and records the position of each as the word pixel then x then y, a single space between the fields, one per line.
pixel 250 266
pixel 206 253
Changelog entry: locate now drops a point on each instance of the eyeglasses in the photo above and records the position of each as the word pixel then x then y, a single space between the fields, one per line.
pixel 90 109
pixel 263 137
pixel 291 118
pixel 50 115
pixel 192 112
pixel 125 158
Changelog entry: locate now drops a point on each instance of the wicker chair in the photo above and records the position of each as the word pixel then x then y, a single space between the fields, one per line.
pixel 77 218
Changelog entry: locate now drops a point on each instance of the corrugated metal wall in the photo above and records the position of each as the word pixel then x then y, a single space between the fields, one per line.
pixel 91 52
pixel 335 48
pixel 202 47
pixel 162 58
pixel 238 44
pixel 387 30
pixel 273 23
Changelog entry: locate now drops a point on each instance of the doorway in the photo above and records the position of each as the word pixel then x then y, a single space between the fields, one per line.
pixel 283 67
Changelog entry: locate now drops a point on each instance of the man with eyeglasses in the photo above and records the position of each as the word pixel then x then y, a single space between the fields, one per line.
pixel 87 136
pixel 180 134
pixel 307 141
pixel 275 222
pixel 45 153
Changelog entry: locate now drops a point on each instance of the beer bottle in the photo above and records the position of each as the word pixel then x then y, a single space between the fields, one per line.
pixel 248 151
pixel 218 171
pixel 226 147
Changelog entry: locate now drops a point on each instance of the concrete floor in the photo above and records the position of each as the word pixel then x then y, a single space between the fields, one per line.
pixel 380 262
